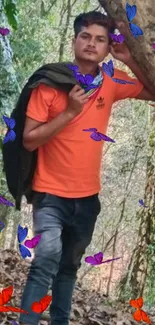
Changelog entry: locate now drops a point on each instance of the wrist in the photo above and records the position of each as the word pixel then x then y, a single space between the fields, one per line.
pixel 130 62
pixel 69 115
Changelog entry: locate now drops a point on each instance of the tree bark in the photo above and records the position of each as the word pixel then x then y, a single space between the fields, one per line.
pixel 142 46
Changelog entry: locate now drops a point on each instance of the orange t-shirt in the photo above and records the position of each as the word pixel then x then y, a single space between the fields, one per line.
pixel 69 164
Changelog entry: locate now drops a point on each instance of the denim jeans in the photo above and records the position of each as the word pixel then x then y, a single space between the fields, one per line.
pixel 66 226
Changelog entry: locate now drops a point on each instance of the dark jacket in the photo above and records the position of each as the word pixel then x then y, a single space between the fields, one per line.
pixel 19 164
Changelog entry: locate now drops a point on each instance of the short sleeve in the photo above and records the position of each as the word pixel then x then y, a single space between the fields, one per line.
pixel 39 103
pixel 123 91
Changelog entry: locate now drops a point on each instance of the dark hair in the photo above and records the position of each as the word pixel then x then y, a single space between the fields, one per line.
pixel 93 17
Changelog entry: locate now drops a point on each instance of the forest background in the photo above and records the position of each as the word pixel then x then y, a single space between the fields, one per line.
pixel 40 33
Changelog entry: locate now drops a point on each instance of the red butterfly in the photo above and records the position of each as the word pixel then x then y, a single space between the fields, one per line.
pixel 139 314
pixel 5 296
pixel 41 306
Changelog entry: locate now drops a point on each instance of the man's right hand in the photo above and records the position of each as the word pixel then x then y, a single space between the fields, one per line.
pixel 77 99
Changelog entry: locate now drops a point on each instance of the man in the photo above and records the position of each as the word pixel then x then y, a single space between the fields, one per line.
pixel 66 180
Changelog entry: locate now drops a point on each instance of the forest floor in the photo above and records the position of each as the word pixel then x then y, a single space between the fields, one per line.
pixel 88 308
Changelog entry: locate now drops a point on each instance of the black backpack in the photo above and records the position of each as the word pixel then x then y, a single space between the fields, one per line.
pixel 18 163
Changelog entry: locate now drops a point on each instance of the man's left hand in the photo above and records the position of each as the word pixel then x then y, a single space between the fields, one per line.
pixel 120 52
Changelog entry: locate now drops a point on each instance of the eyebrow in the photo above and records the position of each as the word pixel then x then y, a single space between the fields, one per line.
pixel 91 35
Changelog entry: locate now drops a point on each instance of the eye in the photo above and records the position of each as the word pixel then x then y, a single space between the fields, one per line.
pixel 84 36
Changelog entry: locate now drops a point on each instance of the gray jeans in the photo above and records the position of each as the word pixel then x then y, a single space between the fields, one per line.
pixel 66 226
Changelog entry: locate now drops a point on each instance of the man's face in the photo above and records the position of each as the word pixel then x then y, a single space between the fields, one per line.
pixel 92 44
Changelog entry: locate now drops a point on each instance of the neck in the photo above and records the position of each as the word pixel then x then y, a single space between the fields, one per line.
pixel 86 68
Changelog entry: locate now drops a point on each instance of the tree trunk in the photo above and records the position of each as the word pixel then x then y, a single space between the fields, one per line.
pixel 142 46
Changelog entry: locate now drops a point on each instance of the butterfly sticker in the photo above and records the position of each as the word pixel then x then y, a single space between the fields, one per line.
pixel 97 259
pixel 141 202
pixel 154 46
pixel 5 296
pixel 73 67
pixel 22 234
pixel 2 226
pixel 13 322
pixel 117 38
pixel 4 31
pixel 33 242
pixel 139 314
pixel 6 202
pixel 108 68
pixel 131 13
pixel 97 136
pixel 41 306
pixel 10 135
pixel 84 80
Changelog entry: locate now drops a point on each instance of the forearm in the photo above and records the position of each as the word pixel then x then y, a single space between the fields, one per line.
pixel 139 74
pixel 46 131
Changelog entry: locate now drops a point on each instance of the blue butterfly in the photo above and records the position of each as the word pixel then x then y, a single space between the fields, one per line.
pixel 22 233
pixel 109 70
pixel 131 13
pixel 141 202
pixel 24 251
pixel 2 226
pixel 10 135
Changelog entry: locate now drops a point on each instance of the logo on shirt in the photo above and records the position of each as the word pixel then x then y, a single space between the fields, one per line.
pixel 100 103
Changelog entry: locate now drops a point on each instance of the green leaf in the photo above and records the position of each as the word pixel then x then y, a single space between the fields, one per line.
pixel 11 12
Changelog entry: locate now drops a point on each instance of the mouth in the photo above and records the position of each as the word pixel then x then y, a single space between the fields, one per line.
pixel 89 51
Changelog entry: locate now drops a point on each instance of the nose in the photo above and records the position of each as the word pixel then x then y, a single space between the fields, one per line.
pixel 92 42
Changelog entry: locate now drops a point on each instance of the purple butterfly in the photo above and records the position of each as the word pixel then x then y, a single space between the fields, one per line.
pixel 123 82
pixel 4 31
pixel 117 38
pixel 154 46
pixel 141 202
pixel 98 258
pixel 90 130
pixel 10 135
pixel 85 79
pixel 109 70
pixel 33 242
pixel 6 202
pixel 73 67
pixel 80 78
pixel 13 322
pixel 97 136
pixel 2 226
